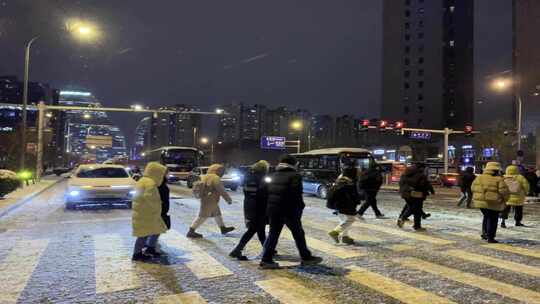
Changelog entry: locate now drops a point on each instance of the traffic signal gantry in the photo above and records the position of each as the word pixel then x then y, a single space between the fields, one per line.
pixel 400 129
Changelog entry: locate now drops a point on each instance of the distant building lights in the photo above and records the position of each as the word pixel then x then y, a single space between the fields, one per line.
pixel 75 93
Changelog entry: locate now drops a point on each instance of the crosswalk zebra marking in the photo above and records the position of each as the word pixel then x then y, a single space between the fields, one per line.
pixel 411 235
pixel 513 249
pixel 288 291
pixel 500 263
pixel 191 297
pixel 330 249
pixel 203 265
pixel 114 270
pixel 504 289
pixel 17 268
pixel 392 288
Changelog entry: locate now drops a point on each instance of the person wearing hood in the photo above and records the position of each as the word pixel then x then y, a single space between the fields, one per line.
pixel 370 181
pixel 285 207
pixel 490 193
pixel 147 222
pixel 213 191
pixel 414 188
pixel 255 203
pixel 465 182
pixel 345 199
pixel 518 187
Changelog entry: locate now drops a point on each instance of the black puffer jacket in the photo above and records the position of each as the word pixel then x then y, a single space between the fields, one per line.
pixel 414 179
pixel 285 191
pixel 164 194
pixel 370 180
pixel 466 179
pixel 345 196
pixel 255 196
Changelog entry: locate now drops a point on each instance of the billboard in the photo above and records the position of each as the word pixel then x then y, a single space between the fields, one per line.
pixel 99 141
pixel 273 142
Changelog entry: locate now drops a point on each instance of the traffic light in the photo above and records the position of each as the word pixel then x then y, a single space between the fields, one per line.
pixel 468 130
pixel 383 124
pixel 398 127
pixel 364 125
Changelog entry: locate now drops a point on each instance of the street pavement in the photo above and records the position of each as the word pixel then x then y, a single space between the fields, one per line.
pixel 52 255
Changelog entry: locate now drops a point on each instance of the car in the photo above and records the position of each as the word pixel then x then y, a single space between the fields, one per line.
pixel 449 179
pixel 99 184
pixel 231 179
pixel 317 182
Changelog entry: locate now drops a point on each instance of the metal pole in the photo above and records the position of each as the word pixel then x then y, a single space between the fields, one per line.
pixel 520 121
pixel 195 141
pixel 39 154
pixel 447 133
pixel 298 146
pixel 25 101
pixel 309 139
pixel 212 153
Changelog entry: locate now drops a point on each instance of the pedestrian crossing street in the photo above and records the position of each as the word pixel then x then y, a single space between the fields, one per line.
pixel 360 266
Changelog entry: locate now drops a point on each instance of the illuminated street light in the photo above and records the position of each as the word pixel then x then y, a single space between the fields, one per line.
pixel 501 84
pixel 137 107
pixel 220 111
pixel 83 30
pixel 297 125
pixel 87 116
pixel 205 140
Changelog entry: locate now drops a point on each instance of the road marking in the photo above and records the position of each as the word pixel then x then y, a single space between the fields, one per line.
pixel 288 291
pixel 400 247
pixel 202 264
pixel 17 268
pixel 114 270
pixel 500 263
pixel 357 236
pixel 191 297
pixel 392 288
pixel 507 290
pixel 411 235
pixel 341 252
pixel 512 249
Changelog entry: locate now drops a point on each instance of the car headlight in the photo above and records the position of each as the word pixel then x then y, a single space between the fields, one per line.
pixel 74 193
pixel 132 192
pixel 268 179
pixel 235 177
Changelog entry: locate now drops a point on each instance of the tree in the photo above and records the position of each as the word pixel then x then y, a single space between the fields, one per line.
pixel 494 137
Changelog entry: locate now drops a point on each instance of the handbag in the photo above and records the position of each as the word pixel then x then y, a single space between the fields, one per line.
pixel 417 194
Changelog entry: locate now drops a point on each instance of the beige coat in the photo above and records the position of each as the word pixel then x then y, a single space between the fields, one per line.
pixel 146 214
pixel 214 187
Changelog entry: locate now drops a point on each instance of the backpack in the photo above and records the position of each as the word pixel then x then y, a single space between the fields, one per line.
pixel 513 185
pixel 200 189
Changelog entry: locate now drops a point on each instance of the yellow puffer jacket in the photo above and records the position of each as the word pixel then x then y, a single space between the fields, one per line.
pixel 146 214
pixel 517 199
pixel 490 192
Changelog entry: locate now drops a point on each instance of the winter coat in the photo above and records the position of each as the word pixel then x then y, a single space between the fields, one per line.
pixel 370 180
pixel 214 187
pixel 255 197
pixel 346 196
pixel 146 214
pixel 414 179
pixel 512 172
pixel 494 185
pixel 164 194
pixel 533 182
pixel 466 179
pixel 285 191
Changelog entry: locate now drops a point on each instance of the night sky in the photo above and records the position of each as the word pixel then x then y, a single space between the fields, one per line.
pixel 317 54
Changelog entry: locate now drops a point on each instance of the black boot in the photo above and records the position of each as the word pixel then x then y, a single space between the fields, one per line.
pixel 237 254
pixel 225 230
pixel 194 235
pixel 151 251
pixel 140 257
pixel 503 224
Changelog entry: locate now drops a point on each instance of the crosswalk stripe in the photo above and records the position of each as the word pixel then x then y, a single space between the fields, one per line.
pixel 392 288
pixel 400 247
pixel 513 249
pixel 411 235
pixel 114 270
pixel 288 291
pixel 500 263
pixel 330 249
pixel 17 268
pixel 326 225
pixel 191 297
pixel 504 289
pixel 202 264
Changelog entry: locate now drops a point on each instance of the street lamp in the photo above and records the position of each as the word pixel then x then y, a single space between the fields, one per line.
pixel 502 84
pixel 137 107
pixel 298 125
pixel 205 141
pixel 220 111
pixel 82 31
pixel 87 116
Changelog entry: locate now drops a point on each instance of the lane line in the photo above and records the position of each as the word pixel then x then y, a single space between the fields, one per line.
pixel 288 291
pixel 504 289
pixel 393 288
pixel 500 263
pixel 114 270
pixel 191 297
pixel 201 264
pixel 411 235
pixel 17 268
pixel 341 252
pixel 327 226
pixel 513 249
pixel 400 247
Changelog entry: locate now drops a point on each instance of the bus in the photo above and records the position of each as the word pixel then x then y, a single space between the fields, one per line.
pixel 179 160
pixel 333 159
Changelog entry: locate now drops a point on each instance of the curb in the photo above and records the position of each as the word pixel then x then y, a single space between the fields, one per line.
pixel 26 199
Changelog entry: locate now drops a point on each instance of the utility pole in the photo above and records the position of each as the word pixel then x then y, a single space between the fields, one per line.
pixel 39 152
pixel 25 101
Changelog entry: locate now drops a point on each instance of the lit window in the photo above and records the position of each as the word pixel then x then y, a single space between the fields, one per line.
pixel 451 43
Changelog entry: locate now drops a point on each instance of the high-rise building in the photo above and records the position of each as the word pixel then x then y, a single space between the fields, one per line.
pixel 141 141
pixel 526 60
pixel 428 62
pixel 323 131
pixel 243 123
pixel 276 122
pixel 176 129
pixel 346 131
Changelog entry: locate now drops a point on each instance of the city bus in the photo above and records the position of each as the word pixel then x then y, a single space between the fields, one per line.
pixel 179 160
pixel 334 159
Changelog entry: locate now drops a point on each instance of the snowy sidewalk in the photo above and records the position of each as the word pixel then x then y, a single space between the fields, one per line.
pixel 22 195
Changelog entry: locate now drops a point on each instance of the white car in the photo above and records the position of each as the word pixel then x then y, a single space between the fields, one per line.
pixel 98 185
